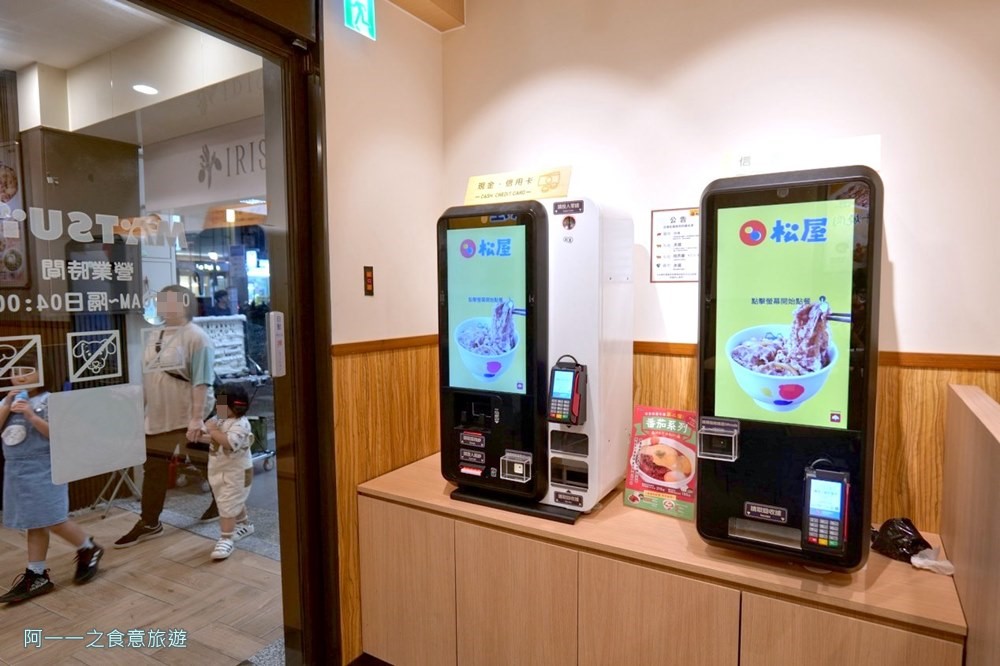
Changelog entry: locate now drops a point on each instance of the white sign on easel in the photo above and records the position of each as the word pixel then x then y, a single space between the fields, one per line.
pixel 94 431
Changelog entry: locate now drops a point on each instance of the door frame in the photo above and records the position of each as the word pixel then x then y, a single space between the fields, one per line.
pixel 310 558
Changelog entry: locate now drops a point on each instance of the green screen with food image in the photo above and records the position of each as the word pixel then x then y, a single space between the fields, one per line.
pixel 487 290
pixel 784 273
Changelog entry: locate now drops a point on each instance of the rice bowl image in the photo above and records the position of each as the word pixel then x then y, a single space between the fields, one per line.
pixel 776 374
pixel 486 357
pixel 662 461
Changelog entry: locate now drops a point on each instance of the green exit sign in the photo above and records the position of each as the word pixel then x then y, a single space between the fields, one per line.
pixel 359 16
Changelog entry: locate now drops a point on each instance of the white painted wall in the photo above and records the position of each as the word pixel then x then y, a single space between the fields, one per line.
pixel 41 97
pixel 29 100
pixel 646 99
pixel 384 166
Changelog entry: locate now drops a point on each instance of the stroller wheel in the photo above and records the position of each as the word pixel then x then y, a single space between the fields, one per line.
pixel 205 487
pixel 181 481
pixel 268 463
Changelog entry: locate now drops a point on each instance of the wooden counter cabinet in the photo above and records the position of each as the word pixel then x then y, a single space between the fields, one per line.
pixel 632 614
pixel 407 584
pixel 450 583
pixel 517 599
pixel 779 632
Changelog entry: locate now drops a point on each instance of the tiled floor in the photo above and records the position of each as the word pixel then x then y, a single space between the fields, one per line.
pixel 225 612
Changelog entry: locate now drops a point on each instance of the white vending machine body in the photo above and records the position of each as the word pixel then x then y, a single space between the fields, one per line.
pixel 590 320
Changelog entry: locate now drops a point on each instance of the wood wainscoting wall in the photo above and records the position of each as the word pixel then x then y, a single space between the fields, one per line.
pixel 909 437
pixel 386 416
pixel 665 375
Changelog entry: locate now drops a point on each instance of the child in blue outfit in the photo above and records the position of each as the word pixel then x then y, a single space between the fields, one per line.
pixel 30 500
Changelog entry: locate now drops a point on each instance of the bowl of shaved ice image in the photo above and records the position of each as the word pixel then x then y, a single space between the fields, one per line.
pixel 782 366
pixel 487 345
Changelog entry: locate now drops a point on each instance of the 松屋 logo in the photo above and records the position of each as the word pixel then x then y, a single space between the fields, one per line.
pixel 499 247
pixel 753 232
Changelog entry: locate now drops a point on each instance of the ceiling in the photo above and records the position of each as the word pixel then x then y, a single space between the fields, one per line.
pixel 185 114
pixel 66 33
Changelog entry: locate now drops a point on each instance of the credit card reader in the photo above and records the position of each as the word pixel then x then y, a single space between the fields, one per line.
pixel 568 392
pixel 824 515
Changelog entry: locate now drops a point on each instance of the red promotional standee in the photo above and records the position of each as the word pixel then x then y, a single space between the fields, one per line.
pixel 662 470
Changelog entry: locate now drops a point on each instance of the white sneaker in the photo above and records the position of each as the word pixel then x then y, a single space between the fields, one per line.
pixel 223 549
pixel 244 529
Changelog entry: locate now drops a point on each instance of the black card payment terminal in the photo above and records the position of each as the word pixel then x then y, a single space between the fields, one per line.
pixel 568 392
pixel 824 514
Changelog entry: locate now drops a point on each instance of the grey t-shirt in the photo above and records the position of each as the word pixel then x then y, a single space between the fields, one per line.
pixel 185 351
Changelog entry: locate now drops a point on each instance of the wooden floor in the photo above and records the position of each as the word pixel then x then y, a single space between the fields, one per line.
pixel 227 610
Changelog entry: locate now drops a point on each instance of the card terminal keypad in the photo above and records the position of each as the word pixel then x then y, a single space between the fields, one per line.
pixel 824 532
pixel 559 409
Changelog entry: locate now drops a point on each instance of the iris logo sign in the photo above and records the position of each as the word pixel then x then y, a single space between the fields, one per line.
pixel 753 232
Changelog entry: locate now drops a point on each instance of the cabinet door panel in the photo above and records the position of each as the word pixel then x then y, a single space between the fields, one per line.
pixel 779 632
pixel 517 599
pixel 407 584
pixel 634 614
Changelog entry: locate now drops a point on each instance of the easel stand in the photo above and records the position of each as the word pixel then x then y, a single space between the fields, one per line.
pixel 123 477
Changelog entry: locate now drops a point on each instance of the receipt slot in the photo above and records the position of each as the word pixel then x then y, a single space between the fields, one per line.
pixel 787 364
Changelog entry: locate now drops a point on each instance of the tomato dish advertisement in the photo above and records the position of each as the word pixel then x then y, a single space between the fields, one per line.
pixel 662 468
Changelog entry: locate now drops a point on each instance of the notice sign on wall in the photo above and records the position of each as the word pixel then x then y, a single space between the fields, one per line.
pixel 674 246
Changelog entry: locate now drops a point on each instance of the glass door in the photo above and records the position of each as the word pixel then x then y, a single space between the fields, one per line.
pixel 143 279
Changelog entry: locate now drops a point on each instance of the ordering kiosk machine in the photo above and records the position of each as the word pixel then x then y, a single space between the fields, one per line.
pixel 787 361
pixel 535 315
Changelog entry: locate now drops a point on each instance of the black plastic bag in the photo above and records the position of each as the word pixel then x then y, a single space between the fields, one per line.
pixel 899 539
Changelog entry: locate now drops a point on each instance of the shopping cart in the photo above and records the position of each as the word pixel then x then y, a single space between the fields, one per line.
pixel 260 449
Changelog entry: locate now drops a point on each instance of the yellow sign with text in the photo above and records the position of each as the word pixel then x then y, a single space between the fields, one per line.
pixel 518 186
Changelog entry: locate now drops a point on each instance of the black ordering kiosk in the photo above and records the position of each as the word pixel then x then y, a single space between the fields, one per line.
pixel 787 363
pixel 493 323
